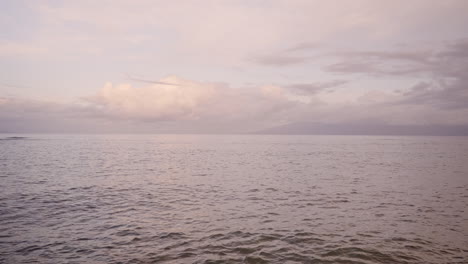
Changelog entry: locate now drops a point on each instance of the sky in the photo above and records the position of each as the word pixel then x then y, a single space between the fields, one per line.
pixel 230 66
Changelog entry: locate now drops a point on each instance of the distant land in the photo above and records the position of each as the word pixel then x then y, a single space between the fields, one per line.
pixel 305 128
pixel 299 128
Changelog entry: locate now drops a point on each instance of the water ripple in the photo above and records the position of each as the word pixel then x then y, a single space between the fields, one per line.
pixel 233 199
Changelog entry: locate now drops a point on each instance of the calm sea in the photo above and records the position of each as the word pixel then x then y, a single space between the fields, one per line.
pixel 233 199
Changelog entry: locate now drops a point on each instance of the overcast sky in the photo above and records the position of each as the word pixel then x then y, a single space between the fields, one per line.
pixel 230 66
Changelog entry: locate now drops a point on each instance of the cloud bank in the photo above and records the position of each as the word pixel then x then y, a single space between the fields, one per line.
pixel 174 104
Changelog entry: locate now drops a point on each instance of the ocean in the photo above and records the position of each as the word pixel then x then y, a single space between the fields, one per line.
pixel 233 199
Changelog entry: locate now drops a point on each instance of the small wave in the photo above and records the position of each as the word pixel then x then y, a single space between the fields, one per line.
pixel 29 249
pixel 360 254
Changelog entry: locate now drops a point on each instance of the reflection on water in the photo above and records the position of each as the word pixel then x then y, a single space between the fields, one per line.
pixel 233 199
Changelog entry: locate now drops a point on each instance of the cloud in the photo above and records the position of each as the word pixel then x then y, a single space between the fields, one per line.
pixel 208 107
pixel 186 100
pixel 443 72
pixel 151 81
pixel 280 60
pixel 295 55
pixel 442 95
pixel 187 106
pixel 447 61
pixel 375 63
pixel 303 47
pixel 184 106
pixel 375 69
pixel 170 98
pixel 313 88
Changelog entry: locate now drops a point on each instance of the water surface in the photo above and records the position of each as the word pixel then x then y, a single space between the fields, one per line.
pixel 233 199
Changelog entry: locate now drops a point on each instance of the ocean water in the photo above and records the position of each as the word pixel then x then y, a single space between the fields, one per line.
pixel 233 199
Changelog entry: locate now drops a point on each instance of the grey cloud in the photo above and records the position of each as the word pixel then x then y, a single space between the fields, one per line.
pixel 440 95
pixel 382 63
pixel 458 49
pixel 448 61
pixel 447 87
pixel 285 57
pixel 418 56
pixel 375 69
pixel 313 88
pixel 444 72
pixel 150 81
pixel 303 47
pixel 280 60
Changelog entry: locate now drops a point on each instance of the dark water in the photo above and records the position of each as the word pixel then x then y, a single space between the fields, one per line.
pixel 233 199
